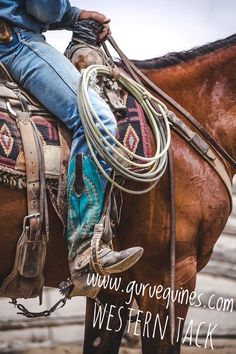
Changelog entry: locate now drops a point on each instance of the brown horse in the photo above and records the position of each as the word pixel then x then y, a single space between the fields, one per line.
pixel 204 82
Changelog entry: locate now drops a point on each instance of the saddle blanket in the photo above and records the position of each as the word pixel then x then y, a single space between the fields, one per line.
pixel 133 132
pixel 12 160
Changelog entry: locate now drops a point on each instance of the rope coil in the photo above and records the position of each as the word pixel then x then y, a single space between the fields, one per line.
pixel 124 162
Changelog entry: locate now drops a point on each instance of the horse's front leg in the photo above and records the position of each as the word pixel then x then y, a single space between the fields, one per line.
pixel 105 323
pixel 154 308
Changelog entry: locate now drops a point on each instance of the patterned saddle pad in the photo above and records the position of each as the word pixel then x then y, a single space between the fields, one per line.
pixel 133 132
pixel 12 160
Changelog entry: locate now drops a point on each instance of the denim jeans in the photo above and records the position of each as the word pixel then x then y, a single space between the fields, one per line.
pixel 53 81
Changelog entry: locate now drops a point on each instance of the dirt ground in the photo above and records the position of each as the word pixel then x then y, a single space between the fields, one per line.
pixel 226 347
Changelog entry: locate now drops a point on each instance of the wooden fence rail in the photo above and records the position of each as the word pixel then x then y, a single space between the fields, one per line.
pixel 9 325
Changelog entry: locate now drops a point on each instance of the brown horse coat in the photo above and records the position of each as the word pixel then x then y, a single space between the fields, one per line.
pixel 203 81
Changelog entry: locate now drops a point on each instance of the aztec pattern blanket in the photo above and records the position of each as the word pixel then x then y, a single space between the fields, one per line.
pixel 133 132
pixel 12 161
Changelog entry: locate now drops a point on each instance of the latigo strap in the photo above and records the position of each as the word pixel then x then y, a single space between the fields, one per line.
pixel 26 279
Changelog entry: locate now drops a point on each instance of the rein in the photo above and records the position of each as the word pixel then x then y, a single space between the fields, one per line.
pixel 138 73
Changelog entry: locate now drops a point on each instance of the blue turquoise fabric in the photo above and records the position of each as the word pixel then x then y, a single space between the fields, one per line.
pixel 39 15
pixel 84 211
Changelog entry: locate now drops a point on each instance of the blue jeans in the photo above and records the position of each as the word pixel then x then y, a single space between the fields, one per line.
pixel 53 81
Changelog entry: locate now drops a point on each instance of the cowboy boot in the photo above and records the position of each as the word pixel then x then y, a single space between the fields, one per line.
pixel 85 202
pixel 111 261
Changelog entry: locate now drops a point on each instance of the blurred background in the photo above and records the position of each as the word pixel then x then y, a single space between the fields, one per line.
pixel 150 28
pixel 143 29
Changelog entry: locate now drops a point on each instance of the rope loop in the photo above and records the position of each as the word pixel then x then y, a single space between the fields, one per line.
pixel 124 162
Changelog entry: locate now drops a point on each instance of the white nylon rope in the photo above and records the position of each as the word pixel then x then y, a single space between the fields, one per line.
pixel 140 169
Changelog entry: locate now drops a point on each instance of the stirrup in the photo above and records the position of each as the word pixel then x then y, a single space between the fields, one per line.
pixel 95 245
pixel 89 260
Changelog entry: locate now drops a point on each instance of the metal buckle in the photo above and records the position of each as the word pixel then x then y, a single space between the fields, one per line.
pixel 10 110
pixel 27 219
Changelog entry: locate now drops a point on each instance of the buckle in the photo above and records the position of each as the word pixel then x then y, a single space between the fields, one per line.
pixel 28 218
pixel 11 111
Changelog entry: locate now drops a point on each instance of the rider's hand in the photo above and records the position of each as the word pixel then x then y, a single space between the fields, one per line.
pixel 100 18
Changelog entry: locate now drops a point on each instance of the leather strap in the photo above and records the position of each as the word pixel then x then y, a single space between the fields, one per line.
pixel 32 162
pixel 204 149
pixel 65 141
pixel 26 279
pixel 19 99
pixel 4 74
pixel 95 247
pixel 172 240
pixel 15 105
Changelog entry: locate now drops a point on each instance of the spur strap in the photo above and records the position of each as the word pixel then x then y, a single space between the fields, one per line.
pixel 95 246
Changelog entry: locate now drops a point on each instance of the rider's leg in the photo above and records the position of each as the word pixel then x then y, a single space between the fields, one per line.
pixel 53 80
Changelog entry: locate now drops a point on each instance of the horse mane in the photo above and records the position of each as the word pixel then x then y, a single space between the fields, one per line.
pixel 180 57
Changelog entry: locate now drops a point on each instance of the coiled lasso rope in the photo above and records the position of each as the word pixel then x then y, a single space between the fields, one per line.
pixel 123 161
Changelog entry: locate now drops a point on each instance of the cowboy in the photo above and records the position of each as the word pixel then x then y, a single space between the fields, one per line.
pixel 53 80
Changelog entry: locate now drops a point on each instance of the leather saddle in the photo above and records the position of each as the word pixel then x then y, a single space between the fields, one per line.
pixel 26 279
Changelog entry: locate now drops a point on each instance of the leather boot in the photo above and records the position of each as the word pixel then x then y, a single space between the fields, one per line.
pixel 110 261
pixel 85 202
pixel 118 262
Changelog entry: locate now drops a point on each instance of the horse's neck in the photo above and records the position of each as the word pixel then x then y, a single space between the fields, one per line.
pixel 206 87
